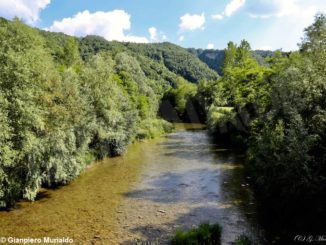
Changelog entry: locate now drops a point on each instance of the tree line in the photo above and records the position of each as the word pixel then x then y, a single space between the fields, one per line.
pixel 276 112
pixel 64 103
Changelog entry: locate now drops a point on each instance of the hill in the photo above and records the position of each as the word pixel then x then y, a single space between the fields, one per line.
pixel 169 57
pixel 214 58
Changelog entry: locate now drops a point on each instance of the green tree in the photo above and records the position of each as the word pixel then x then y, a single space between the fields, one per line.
pixel 287 151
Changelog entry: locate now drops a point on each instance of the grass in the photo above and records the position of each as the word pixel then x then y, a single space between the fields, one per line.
pixel 205 234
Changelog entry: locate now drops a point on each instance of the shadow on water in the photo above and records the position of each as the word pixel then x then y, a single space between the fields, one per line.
pixel 41 196
pixel 220 155
pixel 196 185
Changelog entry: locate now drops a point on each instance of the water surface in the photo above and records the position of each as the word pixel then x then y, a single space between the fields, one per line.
pixel 157 187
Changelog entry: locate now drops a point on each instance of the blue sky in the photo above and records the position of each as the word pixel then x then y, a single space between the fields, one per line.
pixel 266 24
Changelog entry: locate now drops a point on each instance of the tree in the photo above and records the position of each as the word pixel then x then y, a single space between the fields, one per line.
pixel 287 151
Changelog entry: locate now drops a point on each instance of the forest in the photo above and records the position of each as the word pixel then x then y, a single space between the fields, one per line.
pixel 67 101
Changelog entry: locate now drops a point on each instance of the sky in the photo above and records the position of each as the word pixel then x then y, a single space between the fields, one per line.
pixel 266 24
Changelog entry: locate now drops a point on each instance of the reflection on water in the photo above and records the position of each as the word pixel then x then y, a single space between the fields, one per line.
pixel 157 187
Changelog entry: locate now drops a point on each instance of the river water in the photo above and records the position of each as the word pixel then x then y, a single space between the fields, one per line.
pixel 157 187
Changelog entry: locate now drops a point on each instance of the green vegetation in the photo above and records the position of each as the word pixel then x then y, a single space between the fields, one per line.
pixel 205 234
pixel 208 234
pixel 278 113
pixel 287 146
pixel 65 102
pixel 214 58
pixel 183 100
pixel 242 240
pixel 167 59
pixel 233 100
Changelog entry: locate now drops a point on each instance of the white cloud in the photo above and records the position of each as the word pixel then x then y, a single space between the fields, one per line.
pixel 233 6
pixel 210 46
pixel 181 38
pixel 27 10
pixel 285 29
pixel 190 22
pixel 153 34
pixel 111 25
pixel 272 8
pixel 229 9
pixel 217 16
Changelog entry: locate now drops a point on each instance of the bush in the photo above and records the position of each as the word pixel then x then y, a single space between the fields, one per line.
pixel 205 234
pixel 243 240
pixel 152 128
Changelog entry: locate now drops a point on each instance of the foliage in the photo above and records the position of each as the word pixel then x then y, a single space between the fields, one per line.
pixel 58 112
pixel 209 234
pixel 287 152
pixel 152 128
pixel 244 87
pixel 279 114
pixel 168 58
pixel 39 125
pixel 242 240
pixel 214 58
pixel 63 48
pixel 184 100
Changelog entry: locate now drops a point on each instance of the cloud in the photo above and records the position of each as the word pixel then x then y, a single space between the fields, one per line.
pixel 287 21
pixel 217 16
pixel 111 25
pixel 229 9
pixel 190 22
pixel 272 8
pixel 210 46
pixel 233 6
pixel 27 10
pixel 154 36
pixel 181 38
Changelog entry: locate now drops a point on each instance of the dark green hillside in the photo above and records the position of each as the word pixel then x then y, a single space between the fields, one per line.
pixel 171 57
pixel 214 58
pixel 177 60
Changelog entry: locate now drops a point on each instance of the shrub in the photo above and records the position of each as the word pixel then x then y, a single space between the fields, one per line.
pixel 208 234
pixel 243 240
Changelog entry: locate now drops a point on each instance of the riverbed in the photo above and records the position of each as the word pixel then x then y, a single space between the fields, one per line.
pixel 157 187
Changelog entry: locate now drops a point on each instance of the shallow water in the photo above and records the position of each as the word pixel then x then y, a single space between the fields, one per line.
pixel 157 187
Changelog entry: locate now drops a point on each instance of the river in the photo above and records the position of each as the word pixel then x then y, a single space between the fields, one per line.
pixel 158 186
